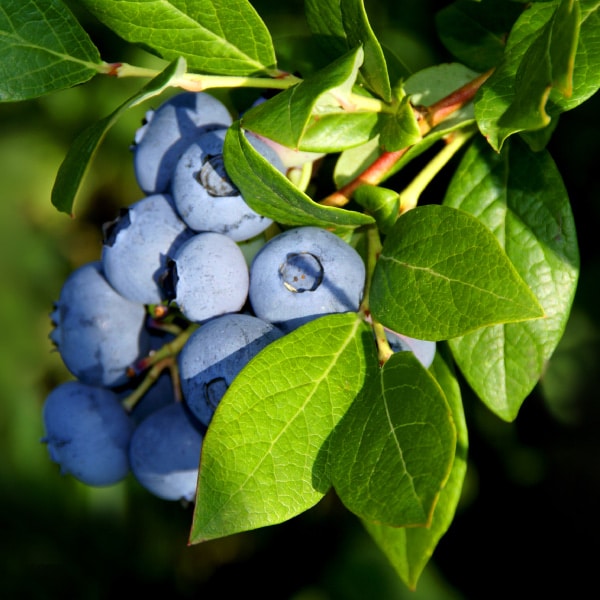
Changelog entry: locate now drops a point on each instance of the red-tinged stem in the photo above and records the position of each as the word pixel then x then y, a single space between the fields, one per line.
pixel 433 115
pixel 373 174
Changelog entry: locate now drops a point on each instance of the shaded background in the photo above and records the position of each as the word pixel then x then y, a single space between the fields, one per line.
pixel 528 521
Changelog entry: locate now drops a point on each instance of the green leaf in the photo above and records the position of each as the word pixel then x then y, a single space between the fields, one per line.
pixel 442 274
pixel 266 453
pixel 42 49
pixel 273 195
pixel 339 26
pixel 286 117
pixel 80 154
pixel 392 452
pixel 519 195
pixel 552 64
pixel 222 37
pixel 337 132
pixel 410 548
pixel 475 32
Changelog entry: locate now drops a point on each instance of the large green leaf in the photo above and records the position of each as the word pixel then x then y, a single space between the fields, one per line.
pixel 551 64
pixel 339 26
pixel 266 453
pixel 410 548
pixel 519 195
pixel 82 150
pixel 443 274
pixel 273 195
pixel 286 117
pixel 223 37
pixel 42 49
pixel 392 452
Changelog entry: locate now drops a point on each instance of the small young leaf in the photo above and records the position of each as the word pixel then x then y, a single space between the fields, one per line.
pixel 273 195
pixel 475 32
pixel 340 25
pixel 519 195
pixel 442 274
pixel 392 452
pixel 551 64
pixel 409 549
pixel 42 49
pixel 382 203
pixel 75 165
pixel 399 129
pixel 266 453
pixel 222 37
pixel 338 132
pixel 285 117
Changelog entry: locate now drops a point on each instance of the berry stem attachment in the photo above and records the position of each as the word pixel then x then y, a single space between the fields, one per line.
pixel 168 350
pixel 149 380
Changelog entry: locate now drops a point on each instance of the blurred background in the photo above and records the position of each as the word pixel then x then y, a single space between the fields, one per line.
pixel 528 521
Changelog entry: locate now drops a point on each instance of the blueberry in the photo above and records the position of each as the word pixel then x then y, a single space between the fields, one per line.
pixel 304 273
pixel 165 453
pixel 422 349
pixel 88 433
pixel 215 354
pixel 207 199
pixel 168 131
pixel 136 246
pixel 207 276
pixel 97 332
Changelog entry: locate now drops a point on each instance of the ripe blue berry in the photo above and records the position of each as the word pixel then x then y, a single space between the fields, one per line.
pixel 207 199
pixel 207 276
pixel 215 354
pixel 168 131
pixel 165 453
pixel 136 246
pixel 88 433
pixel 97 332
pixel 304 273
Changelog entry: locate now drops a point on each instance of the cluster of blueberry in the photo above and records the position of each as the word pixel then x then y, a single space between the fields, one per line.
pixel 180 249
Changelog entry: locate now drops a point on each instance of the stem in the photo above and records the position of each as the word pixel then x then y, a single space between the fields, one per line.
pixel 409 197
pixel 301 176
pixel 194 82
pixel 169 350
pixel 433 115
pixel 153 374
pixel 157 362
pixel 198 82
pixel 374 248
pixel 374 174
pixel 373 251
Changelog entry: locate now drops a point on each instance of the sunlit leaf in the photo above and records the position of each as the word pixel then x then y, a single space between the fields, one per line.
pixel 442 274
pixel 519 195
pixel 266 453
pixel 42 49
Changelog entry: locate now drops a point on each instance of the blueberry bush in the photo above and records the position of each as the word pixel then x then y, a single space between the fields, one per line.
pixel 271 171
